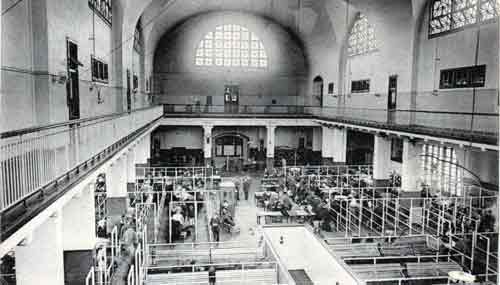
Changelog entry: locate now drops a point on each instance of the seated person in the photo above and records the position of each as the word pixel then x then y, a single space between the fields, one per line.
pixel 227 218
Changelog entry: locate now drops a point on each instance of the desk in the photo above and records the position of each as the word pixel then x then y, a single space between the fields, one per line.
pixel 265 214
pixel 295 214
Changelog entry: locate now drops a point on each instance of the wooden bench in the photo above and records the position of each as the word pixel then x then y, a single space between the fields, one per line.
pixel 356 250
pixel 250 276
pixel 431 268
pixel 378 271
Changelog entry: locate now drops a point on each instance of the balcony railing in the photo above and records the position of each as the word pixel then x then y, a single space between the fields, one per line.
pixel 33 158
pixel 456 124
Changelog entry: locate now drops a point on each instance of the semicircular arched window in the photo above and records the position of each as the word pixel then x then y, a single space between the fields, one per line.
pixel 362 37
pixel 231 46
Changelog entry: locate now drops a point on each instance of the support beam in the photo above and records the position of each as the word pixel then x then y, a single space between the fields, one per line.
pixel 207 144
pixel 116 183
pixel 131 174
pixel 79 221
pixel 41 260
pixel 271 137
pixel 411 166
pixel 381 160
pixel 339 145
pixel 327 145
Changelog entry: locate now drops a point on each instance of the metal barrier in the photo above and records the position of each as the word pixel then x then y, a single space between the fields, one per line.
pixel 33 158
pixel 195 171
pixel 303 170
pixel 90 278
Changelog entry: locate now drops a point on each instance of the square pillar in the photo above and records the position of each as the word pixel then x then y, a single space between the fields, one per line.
pixel 327 145
pixel 207 144
pixel 339 145
pixel 270 146
pixel 317 139
pixel 411 166
pixel 381 160
pixel 131 174
pixel 39 259
pixel 79 221
pixel 116 178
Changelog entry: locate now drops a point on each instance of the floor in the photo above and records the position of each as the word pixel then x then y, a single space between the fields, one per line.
pixel 245 218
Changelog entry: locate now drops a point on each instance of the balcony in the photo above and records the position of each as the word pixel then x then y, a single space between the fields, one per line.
pixel 474 127
pixel 38 165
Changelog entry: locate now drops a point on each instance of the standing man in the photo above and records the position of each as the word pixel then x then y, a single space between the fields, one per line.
pixel 211 275
pixel 215 225
pixel 246 186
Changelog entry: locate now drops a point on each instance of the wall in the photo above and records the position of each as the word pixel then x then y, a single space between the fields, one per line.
pixel 188 137
pixel 34 59
pixel 179 81
pixel 454 50
pixel 392 24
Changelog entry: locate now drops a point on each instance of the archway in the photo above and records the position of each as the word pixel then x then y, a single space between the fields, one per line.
pixel 230 150
pixel 318 91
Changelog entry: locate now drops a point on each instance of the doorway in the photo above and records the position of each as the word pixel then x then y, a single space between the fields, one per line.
pixel 318 90
pixel 392 98
pixel 231 98
pixel 129 93
pixel 72 85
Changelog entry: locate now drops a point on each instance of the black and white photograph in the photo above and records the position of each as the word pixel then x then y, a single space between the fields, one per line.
pixel 249 142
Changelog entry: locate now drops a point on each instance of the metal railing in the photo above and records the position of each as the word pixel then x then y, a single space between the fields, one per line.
pixel 34 158
pixel 477 121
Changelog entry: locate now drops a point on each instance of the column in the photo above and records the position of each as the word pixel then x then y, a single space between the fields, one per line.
pixel 79 235
pixel 270 146
pixel 411 165
pixel 381 160
pixel 207 144
pixel 79 221
pixel 327 145
pixel 140 152
pixel 39 258
pixel 131 166
pixel 116 192
pixel 317 139
pixel 147 148
pixel 116 178
pixel 339 145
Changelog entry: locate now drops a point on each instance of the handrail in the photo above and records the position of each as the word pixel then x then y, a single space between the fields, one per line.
pixel 335 107
pixel 28 130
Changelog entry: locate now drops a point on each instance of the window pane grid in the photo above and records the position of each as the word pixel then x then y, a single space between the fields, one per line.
pixel 440 170
pixel 450 15
pixel 231 46
pixel 362 37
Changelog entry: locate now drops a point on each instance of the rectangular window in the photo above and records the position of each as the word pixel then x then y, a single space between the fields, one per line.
pixel 100 71
pixel 465 77
pixel 360 86
pixel 103 9
pixel 135 82
pixel 330 88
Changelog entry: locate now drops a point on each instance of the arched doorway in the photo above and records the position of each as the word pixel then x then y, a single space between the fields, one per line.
pixel 318 91
pixel 230 150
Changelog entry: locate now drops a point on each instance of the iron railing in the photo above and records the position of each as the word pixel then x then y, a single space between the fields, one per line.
pixel 32 158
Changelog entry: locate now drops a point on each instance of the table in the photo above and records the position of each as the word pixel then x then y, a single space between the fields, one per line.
pixel 265 214
pixel 295 214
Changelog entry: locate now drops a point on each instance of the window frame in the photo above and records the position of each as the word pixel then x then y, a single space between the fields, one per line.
pixel 365 82
pixel 470 72
pixel 231 46
pixel 453 10
pixel 99 70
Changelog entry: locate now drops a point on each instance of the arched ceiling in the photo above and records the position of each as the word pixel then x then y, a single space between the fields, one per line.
pixel 305 18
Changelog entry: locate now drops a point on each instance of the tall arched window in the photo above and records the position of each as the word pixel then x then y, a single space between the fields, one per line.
pixel 453 15
pixel 362 37
pixel 231 46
